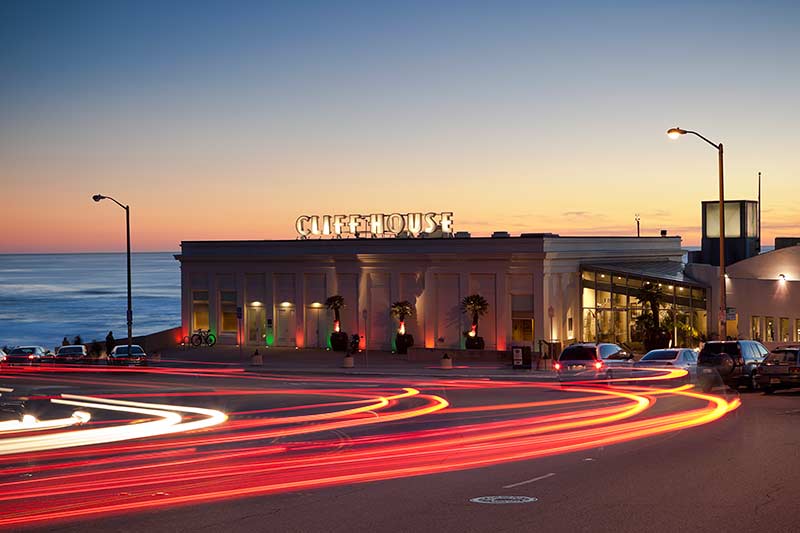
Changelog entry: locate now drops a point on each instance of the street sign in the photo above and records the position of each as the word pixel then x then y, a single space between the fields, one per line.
pixel 731 313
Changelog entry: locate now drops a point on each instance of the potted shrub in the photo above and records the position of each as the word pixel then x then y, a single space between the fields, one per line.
pixel 476 306
pixel 402 310
pixel 338 337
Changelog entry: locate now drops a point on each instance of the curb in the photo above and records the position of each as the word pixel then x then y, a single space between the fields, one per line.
pixel 440 374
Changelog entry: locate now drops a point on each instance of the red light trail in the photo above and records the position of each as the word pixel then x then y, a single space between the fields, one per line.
pixel 155 454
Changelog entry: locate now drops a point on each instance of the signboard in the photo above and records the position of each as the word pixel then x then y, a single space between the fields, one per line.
pixel 239 313
pixel 730 314
pixel 376 224
pixel 517 355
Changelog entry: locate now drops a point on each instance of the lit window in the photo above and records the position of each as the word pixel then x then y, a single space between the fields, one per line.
pixel 199 310
pixel 228 311
pixel 785 333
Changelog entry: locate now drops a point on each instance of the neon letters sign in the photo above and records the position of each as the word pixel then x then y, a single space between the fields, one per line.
pixel 374 225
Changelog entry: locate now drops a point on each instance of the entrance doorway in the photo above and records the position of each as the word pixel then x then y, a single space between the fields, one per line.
pixel 315 327
pixel 256 325
pixel 287 324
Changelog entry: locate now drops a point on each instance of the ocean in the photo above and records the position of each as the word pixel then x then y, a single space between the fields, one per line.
pixel 45 297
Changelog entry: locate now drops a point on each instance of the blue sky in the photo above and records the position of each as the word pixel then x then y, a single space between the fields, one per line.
pixel 524 116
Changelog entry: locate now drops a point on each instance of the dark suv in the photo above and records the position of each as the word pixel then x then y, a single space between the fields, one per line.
pixel 734 362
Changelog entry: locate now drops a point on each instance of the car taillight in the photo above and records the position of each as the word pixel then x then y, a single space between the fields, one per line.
pixel 557 366
pixel 598 365
pixel 31 356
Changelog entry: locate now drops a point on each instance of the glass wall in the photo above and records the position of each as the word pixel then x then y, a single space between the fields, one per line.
pixel 619 308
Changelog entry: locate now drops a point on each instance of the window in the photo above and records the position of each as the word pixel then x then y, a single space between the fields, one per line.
pixel 660 355
pixel 522 330
pixel 608 350
pixel 755 328
pixel 228 311
pixel 578 353
pixel 199 310
pixel 784 333
pixel 522 318
pixel 769 329
pixel 761 350
pixel 749 352
pixel 797 329
pixel 733 227
pixel 783 356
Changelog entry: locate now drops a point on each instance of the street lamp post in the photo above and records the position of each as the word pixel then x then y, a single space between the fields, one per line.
pixel 675 133
pixel 97 198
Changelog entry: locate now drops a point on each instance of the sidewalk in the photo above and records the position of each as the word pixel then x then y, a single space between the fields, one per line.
pixel 373 363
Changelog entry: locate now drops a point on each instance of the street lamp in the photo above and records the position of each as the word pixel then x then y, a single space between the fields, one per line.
pixel 97 198
pixel 675 133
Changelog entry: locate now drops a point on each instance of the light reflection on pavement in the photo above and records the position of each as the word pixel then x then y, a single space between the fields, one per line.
pixel 156 454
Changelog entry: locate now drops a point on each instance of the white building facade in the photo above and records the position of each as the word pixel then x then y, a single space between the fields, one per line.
pixel 763 296
pixel 540 287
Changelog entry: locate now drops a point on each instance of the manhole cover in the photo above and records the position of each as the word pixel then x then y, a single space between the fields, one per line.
pixel 502 500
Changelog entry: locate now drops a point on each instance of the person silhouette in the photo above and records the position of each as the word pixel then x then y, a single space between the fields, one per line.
pixel 109 342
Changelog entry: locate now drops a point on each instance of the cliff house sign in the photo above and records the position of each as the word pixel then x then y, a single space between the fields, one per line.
pixel 374 225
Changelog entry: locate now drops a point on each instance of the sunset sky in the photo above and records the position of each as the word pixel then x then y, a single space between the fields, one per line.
pixel 227 120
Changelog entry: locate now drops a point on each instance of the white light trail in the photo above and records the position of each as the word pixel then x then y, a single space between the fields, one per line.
pixel 168 421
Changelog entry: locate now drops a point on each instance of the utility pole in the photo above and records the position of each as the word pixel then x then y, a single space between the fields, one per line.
pixel 759 211
pixel 638 233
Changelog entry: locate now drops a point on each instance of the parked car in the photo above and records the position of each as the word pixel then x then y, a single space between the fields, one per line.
pixel 119 355
pixel 780 370
pixel 2 356
pixel 734 363
pixel 684 358
pixel 588 361
pixel 31 355
pixel 72 354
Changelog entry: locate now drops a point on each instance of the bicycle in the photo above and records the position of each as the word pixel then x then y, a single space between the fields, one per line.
pixel 203 337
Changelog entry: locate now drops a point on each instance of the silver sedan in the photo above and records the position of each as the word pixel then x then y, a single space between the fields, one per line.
pixel 684 358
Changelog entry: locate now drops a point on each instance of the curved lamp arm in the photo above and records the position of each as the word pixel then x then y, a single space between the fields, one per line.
pixel 98 197
pixel 675 132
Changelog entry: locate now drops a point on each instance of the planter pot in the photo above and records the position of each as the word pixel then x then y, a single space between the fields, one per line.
pixel 339 341
pixel 475 343
pixel 404 342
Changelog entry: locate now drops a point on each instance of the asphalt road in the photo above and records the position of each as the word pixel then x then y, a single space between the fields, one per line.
pixel 738 472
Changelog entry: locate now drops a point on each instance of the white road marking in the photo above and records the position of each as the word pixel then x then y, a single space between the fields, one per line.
pixel 504 499
pixel 551 474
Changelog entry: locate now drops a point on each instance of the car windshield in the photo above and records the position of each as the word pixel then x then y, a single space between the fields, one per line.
pixel 123 350
pixel 22 351
pixel 578 353
pixel 783 356
pixel 730 348
pixel 70 350
pixel 660 355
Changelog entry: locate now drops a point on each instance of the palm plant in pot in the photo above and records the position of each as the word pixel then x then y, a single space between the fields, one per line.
pixel 402 310
pixel 475 306
pixel 338 337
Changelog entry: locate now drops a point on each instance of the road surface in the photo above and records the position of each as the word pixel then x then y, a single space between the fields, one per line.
pixel 211 447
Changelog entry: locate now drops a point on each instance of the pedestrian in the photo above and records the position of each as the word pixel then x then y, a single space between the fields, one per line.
pixel 65 342
pixel 109 342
